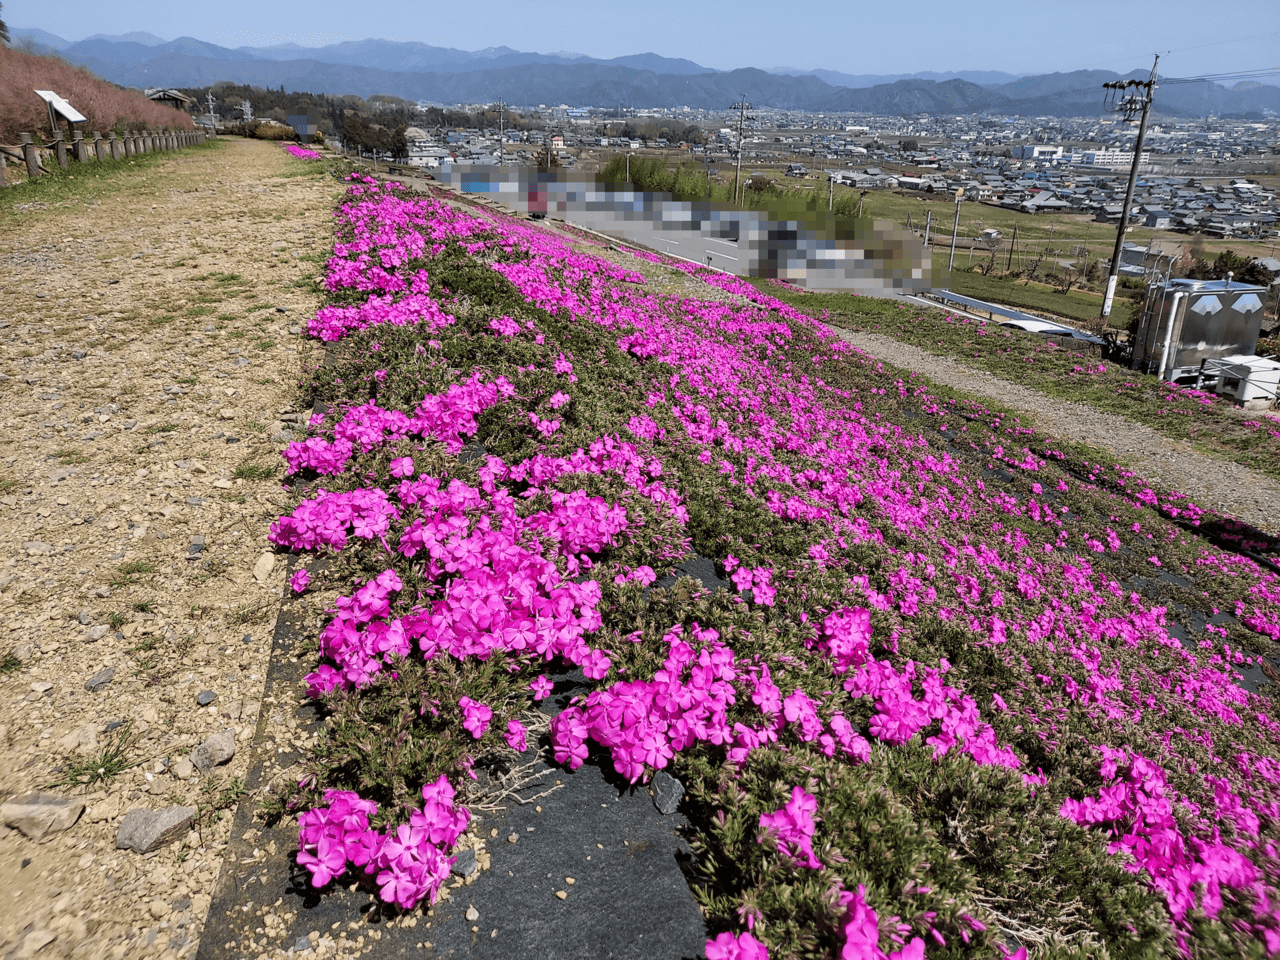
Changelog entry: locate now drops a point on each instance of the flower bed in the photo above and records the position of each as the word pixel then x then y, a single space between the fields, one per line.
pixel 971 693
pixel 302 153
pixel 1180 413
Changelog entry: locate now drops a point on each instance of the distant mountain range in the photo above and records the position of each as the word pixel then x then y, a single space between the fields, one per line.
pixel 419 71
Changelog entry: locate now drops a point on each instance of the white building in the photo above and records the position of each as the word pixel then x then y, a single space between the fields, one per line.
pixel 1036 151
pixel 423 151
pixel 1109 158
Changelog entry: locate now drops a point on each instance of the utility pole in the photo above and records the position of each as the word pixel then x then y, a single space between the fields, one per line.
pixel 955 230
pixel 862 196
pixel 1012 243
pixel 1129 105
pixel 501 129
pixel 831 192
pixel 742 107
pixel 928 222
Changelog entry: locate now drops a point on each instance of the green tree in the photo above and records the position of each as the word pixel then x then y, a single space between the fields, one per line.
pixel 1242 269
pixel 4 31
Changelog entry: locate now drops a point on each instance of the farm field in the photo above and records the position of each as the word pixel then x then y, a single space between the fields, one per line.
pixel 935 667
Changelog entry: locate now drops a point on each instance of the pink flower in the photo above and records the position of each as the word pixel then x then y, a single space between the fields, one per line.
pixel 300 579
pixel 402 467
pixel 742 947
pixel 540 686
pixel 515 736
pixel 475 716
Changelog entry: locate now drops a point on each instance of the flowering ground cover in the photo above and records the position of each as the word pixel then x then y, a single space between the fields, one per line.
pixel 971 694
pixel 301 152
pixel 1207 422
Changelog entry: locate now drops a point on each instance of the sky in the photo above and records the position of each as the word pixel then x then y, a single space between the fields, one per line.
pixel 1193 38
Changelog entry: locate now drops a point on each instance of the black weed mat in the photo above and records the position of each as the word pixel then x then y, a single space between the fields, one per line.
pixel 628 897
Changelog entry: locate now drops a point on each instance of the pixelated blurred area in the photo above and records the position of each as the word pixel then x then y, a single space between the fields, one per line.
pixel 815 251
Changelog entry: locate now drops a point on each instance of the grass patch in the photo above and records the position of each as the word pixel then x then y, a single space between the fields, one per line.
pixel 106 766
pixel 70 456
pixel 8 485
pixel 143 606
pixel 265 344
pixel 163 427
pixel 254 471
pixel 9 664
pixel 188 381
pixel 201 311
pixel 117 620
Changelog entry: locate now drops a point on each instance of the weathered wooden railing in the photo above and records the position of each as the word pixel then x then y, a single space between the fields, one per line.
pixel 114 146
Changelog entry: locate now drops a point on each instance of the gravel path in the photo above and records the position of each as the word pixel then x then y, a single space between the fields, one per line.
pixel 1221 484
pixel 149 337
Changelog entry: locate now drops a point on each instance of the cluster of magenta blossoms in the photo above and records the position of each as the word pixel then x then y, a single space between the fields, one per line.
pixel 738 387
pixel 302 153
pixel 409 863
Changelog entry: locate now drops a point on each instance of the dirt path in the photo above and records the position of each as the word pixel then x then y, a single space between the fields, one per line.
pixel 150 341
pixel 1210 482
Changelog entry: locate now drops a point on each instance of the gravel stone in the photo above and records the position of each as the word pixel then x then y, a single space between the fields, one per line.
pixel 465 863
pixel 217 750
pixel 144 830
pixel 100 680
pixel 667 792
pixel 205 697
pixel 37 814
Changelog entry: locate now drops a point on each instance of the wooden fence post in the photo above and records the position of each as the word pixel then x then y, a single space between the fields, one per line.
pixel 78 149
pixel 117 149
pixel 99 146
pixel 60 148
pixel 29 154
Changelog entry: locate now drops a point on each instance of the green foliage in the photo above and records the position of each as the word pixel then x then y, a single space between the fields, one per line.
pixel 106 766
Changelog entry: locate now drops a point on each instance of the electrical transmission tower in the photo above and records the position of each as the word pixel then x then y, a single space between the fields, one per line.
pixel 1130 97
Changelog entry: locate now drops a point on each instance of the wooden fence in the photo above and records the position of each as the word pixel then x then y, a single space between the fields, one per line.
pixel 83 150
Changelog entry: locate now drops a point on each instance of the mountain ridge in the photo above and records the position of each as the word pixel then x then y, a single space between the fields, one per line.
pixel 420 71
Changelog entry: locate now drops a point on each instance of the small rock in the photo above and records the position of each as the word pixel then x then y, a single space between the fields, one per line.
pixel 145 830
pixel 183 769
pixel 37 548
pixel 159 909
pixel 473 914
pixel 194 502
pixel 100 680
pixel 262 569
pixel 561 894
pixel 198 467
pixel 205 697
pixel 227 413
pixel 41 687
pixel 295 329
pixel 37 814
pixel 241 362
pixel 464 865
pixel 23 652
pixel 303 945
pixel 667 791
pixel 222 484
pixel 84 617
pixel 98 632
pixel 218 749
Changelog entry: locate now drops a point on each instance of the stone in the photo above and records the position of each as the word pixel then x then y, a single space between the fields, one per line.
pixel 473 914
pixel 97 632
pixel 194 502
pixel 667 792
pixel 100 680
pixel 241 362
pixel 37 814
pixel 217 750
pixel 227 413
pixel 464 864
pixel 38 548
pixel 41 687
pixel 159 909
pixel 183 769
pixel 302 945
pixel 144 830
pixel 83 617
pixel 222 484
pixel 83 739
pixel 262 569
pixel 205 697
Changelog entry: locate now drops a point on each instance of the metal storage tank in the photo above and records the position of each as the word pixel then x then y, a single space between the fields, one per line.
pixel 1188 321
